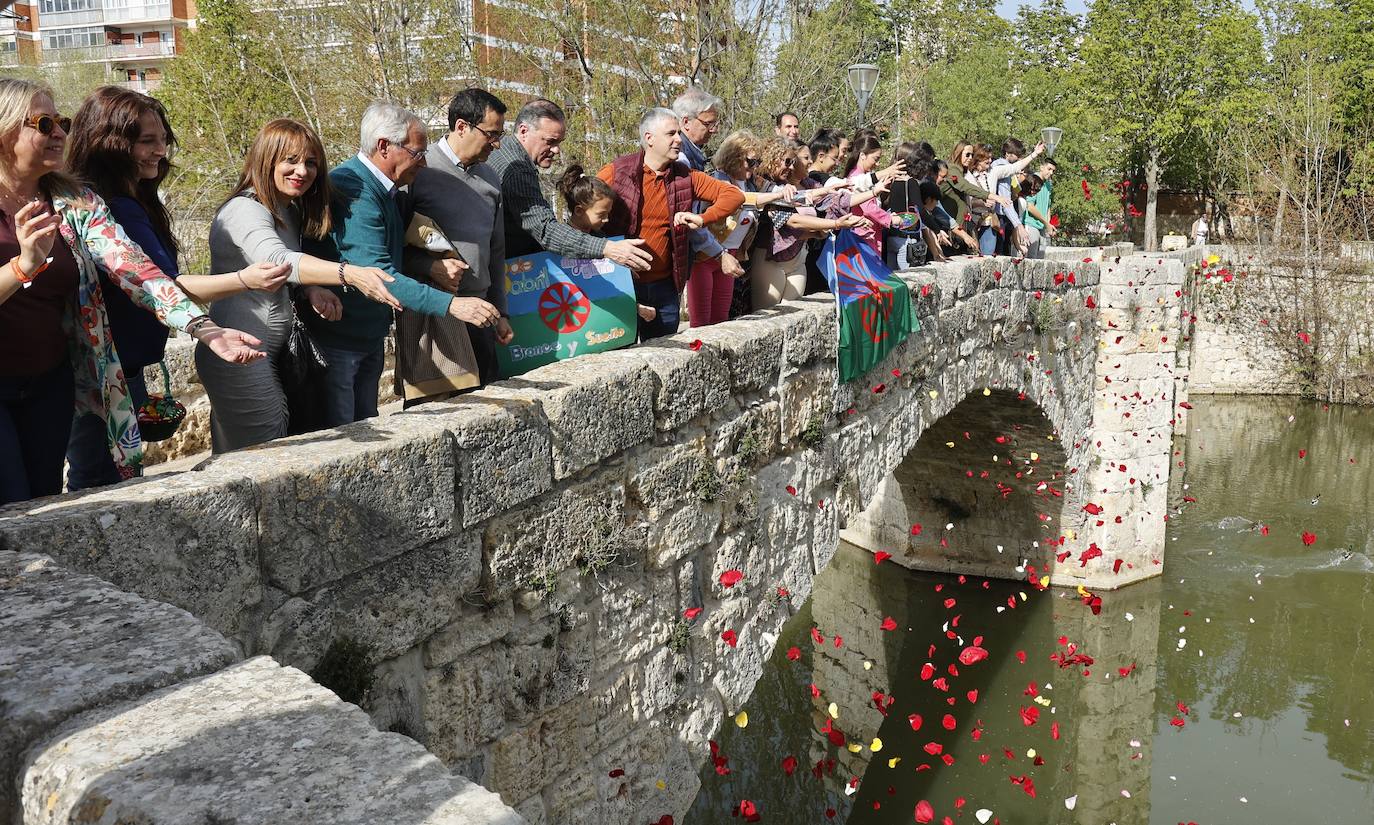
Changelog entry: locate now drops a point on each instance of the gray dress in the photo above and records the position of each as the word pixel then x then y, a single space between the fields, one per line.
pixel 247 404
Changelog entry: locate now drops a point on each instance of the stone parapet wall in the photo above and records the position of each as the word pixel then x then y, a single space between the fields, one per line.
pixel 107 700
pixel 504 577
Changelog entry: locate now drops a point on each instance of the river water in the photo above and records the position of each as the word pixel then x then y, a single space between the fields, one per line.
pixel 1238 687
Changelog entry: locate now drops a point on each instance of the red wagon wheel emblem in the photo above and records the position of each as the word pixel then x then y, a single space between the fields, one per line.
pixel 563 308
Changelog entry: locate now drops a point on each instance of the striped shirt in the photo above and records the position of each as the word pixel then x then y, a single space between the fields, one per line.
pixel 531 225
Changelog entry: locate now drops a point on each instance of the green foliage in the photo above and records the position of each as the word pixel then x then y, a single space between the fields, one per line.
pixel 706 485
pixel 814 433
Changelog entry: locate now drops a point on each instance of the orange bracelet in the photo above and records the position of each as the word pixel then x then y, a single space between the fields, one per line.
pixel 19 273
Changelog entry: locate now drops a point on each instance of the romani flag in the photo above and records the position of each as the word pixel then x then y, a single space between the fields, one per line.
pixel 873 304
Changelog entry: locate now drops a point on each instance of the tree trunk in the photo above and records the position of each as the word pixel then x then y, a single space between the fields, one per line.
pixel 1276 234
pixel 1152 200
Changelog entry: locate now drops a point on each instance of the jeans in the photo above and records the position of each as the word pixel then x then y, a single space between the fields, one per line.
pixel 987 240
pixel 662 296
pixel 351 384
pixel 35 422
pixel 89 463
pixel 709 292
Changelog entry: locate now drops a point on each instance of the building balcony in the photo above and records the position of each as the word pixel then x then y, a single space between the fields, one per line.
pixel 144 51
pixel 138 13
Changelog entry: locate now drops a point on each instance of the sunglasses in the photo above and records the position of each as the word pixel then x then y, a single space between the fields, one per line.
pixel 45 123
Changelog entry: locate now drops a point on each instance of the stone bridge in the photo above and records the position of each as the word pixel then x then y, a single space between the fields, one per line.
pixel 512 579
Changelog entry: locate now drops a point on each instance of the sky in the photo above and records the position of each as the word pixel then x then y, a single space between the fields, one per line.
pixel 1008 8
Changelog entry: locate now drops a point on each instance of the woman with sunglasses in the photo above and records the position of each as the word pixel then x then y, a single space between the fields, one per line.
pixel 957 190
pixel 56 238
pixel 279 205
pixel 710 290
pixel 119 145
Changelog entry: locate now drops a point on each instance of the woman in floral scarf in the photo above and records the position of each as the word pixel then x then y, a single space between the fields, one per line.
pixel 57 358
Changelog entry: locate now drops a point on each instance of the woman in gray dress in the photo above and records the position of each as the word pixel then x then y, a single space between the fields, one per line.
pixel 281 199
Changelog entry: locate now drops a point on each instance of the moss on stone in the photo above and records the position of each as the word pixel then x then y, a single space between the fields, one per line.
pixel 346 668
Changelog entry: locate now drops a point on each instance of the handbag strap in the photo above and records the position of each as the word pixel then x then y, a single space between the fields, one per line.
pixel 166 379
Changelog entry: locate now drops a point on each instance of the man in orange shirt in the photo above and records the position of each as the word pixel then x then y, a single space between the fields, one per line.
pixel 654 192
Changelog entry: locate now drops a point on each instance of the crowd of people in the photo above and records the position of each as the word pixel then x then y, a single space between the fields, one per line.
pixel 93 280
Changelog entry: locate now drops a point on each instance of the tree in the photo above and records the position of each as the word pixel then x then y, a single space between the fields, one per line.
pixel 1149 66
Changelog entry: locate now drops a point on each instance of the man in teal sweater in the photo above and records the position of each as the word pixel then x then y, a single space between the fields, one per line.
pixel 370 218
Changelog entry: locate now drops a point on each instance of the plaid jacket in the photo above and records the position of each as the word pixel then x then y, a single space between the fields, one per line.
pixel 531 225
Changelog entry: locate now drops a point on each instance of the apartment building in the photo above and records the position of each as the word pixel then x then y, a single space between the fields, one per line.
pixel 131 38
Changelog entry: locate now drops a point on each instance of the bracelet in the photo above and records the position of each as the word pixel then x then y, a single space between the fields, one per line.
pixel 343 282
pixel 19 273
pixel 197 324
pixel 245 283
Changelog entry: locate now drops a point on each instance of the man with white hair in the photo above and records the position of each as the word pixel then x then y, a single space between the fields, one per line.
pixel 369 227
pixel 655 199
pixel 699 118
pixel 531 225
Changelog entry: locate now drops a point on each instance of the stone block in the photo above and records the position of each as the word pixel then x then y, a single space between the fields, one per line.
pixel 681 532
pixel 595 408
pixel 505 453
pixel 190 539
pixel 254 743
pixel 465 703
pixel 689 384
pixel 472 629
pixel 70 642
pixel 752 353
pixel 664 476
pixel 333 503
pixel 585 524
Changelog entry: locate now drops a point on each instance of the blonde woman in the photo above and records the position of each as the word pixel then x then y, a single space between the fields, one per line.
pixel 57 358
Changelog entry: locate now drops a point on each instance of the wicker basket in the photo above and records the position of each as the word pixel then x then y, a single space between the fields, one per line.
pixel 159 418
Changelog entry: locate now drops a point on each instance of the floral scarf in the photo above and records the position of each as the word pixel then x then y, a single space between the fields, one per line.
pixel 98 243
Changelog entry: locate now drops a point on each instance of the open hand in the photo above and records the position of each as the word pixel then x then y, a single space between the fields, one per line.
pixel 371 281
pixel 474 311
pixel 630 253
pixel 230 344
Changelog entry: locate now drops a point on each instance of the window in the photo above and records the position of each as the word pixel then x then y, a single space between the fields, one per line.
pixel 75 38
pixel 61 6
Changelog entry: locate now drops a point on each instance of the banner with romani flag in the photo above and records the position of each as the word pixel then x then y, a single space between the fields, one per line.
pixel 874 305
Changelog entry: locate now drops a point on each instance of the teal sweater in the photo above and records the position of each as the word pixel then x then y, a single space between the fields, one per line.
pixel 369 230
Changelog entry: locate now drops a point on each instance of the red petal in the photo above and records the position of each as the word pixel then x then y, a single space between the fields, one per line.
pixel 881 556
pixel 730 578
pixel 696 345
pixel 972 655
pixel 889 624
pixel 924 813
pixel 692 612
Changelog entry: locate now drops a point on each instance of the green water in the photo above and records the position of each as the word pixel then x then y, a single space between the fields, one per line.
pixel 1268 643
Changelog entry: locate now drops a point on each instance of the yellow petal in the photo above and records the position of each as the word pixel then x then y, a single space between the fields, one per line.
pixel 987 391
pixel 1082 591
pixel 742 719
pixel 894 761
pixel 868 665
pixel 1044 581
pixel 876 745
pixel 662 786
pixel 934 394
pixel 855 747
pixel 1030 753
pixel 1035 456
pixel 1042 701
pixel 949 443
pixel 833 710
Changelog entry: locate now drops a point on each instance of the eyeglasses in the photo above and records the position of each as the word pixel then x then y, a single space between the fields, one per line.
pixel 45 123
pixel 409 151
pixel 753 163
pixel 711 125
pixel 492 137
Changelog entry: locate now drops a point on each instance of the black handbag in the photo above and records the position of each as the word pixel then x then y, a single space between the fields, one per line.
pixel 301 370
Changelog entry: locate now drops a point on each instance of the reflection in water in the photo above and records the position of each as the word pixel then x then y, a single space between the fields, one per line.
pixel 1264 641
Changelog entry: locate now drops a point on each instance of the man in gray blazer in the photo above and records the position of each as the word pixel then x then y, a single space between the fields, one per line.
pixel 461 193
pixel 531 225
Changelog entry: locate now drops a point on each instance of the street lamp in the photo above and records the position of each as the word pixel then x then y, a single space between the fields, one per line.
pixel 863 79
pixel 1050 136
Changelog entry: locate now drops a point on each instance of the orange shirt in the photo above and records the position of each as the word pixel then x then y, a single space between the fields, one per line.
pixel 655 221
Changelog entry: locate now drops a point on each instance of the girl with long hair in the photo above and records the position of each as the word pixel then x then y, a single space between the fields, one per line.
pixel 57 237
pixel 863 157
pixel 120 145
pixel 280 203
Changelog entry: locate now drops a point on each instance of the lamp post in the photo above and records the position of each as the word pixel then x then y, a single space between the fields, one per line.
pixel 1050 136
pixel 863 79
